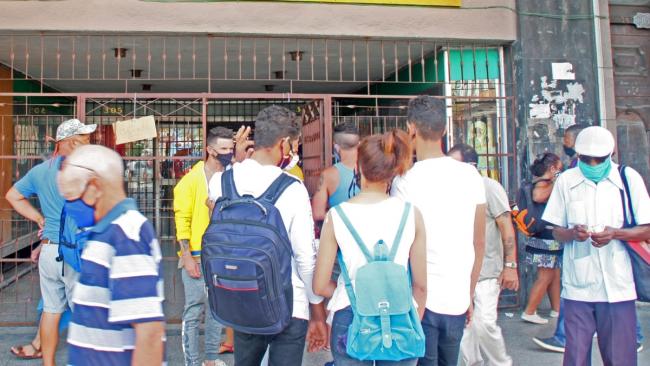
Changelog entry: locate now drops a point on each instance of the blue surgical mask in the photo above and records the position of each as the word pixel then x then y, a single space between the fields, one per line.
pixel 596 173
pixel 82 213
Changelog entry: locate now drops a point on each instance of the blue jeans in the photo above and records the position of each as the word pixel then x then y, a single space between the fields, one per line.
pixel 338 343
pixel 443 335
pixel 285 349
pixel 560 336
pixel 195 303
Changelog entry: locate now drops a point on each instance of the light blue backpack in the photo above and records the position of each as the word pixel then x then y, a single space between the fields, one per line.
pixel 385 326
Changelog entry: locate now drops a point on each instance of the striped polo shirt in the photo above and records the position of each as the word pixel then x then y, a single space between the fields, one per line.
pixel 120 284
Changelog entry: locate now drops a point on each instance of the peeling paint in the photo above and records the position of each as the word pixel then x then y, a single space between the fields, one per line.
pixel 557 103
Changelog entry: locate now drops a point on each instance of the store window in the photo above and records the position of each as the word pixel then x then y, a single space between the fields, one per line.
pixel 476 107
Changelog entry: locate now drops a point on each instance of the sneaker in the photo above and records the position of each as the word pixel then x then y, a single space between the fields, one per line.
pixel 534 318
pixel 554 314
pixel 551 344
pixel 639 347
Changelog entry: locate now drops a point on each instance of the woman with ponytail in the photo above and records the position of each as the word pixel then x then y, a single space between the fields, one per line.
pixel 376 218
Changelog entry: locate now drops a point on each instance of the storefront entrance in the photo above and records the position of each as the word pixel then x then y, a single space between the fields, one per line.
pixel 196 83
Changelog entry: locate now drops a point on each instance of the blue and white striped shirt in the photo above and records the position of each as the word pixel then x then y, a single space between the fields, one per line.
pixel 120 284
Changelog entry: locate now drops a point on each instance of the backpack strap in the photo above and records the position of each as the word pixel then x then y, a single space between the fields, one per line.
pixel 354 233
pixel 346 280
pixel 228 188
pixel 629 221
pixel 400 231
pixel 61 240
pixel 276 188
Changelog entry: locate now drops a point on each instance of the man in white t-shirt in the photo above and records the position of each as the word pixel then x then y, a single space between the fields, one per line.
pixel 483 341
pixel 273 127
pixel 451 197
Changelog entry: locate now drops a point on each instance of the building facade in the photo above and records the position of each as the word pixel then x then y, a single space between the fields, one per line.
pixel 514 75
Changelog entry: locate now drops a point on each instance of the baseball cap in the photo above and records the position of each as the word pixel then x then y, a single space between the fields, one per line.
pixel 73 127
pixel 595 141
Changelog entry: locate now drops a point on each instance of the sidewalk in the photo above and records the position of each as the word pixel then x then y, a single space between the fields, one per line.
pixel 518 336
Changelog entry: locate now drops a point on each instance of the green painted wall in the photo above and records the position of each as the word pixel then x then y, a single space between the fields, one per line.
pixel 468 64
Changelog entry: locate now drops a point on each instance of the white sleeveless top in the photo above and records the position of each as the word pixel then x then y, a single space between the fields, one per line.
pixel 373 222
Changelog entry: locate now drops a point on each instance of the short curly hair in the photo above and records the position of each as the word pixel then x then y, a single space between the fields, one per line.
pixel 274 123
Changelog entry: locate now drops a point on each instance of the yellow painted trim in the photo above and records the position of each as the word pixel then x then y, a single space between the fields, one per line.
pixel 386 2
pixel 454 3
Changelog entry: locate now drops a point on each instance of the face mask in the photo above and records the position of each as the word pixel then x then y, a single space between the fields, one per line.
pixel 82 213
pixel 570 152
pixel 289 162
pixel 224 159
pixel 598 172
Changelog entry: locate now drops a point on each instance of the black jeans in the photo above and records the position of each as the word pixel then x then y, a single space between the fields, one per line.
pixel 443 334
pixel 286 348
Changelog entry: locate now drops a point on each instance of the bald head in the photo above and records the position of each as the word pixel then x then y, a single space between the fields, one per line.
pixel 87 162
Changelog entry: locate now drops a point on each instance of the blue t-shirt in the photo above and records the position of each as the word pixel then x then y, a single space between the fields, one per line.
pixel 120 284
pixel 40 181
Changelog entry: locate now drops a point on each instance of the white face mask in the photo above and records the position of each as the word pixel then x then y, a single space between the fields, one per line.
pixel 294 161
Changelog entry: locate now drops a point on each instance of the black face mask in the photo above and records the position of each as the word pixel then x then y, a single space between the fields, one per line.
pixel 225 159
pixel 570 152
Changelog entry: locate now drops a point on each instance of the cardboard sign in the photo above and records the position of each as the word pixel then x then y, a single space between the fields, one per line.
pixel 135 129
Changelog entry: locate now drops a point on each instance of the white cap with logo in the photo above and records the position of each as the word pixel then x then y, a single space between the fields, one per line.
pixel 595 141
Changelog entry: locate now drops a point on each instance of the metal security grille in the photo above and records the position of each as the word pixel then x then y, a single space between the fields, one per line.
pixel 206 63
pixel 193 83
pixel 27 126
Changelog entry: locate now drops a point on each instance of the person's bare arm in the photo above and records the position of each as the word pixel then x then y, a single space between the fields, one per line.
pixel 325 259
pixel 320 197
pixel 637 233
pixel 542 191
pixel 418 261
pixel 509 278
pixel 148 343
pixel 23 207
pixel 564 235
pixel 479 244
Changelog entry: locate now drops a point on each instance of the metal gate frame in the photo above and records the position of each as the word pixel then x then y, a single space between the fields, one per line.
pixel 323 137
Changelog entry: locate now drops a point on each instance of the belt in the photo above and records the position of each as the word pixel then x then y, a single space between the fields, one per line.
pixel 48 241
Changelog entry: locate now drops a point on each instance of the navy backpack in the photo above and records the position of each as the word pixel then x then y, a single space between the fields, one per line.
pixel 246 259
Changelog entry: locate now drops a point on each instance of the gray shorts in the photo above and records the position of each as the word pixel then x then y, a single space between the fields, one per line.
pixel 56 289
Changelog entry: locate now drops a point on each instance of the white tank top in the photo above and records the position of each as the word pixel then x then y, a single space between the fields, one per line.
pixel 373 222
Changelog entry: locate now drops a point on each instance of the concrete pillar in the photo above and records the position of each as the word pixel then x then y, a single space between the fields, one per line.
pixel 556 74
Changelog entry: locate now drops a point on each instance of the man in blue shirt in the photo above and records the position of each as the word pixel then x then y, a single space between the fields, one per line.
pixel 56 284
pixel 118 317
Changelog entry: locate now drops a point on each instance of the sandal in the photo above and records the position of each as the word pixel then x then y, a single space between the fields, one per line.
pixel 226 348
pixel 19 351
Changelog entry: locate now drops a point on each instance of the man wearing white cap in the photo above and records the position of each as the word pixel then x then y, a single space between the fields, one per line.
pixel 56 284
pixel 598 286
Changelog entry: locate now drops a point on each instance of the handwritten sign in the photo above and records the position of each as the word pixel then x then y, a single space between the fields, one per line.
pixel 135 129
